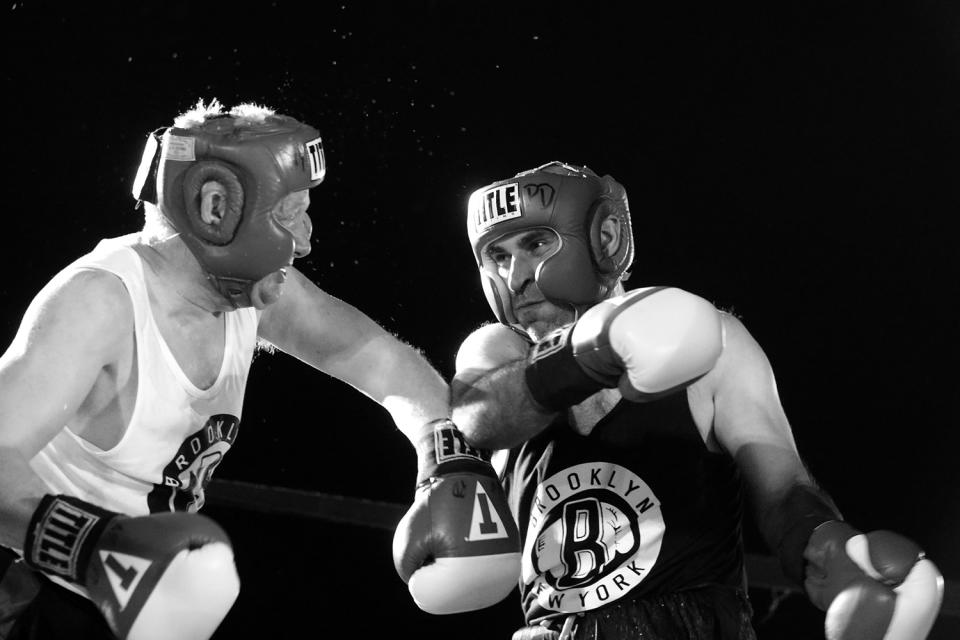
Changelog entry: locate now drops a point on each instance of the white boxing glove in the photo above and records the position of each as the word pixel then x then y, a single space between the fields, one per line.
pixel 168 576
pixel 877 585
pixel 647 343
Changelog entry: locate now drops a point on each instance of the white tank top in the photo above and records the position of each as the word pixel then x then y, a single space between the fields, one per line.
pixel 177 433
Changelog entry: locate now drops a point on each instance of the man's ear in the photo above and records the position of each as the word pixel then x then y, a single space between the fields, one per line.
pixel 213 202
pixel 609 238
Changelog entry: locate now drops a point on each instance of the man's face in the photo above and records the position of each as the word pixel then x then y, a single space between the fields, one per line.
pixel 516 257
pixel 291 214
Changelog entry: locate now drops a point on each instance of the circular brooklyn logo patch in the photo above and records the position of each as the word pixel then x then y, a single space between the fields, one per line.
pixel 595 533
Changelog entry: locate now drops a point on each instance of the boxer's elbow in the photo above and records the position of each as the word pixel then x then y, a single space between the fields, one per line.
pixel 471 413
pixel 494 411
pixel 489 426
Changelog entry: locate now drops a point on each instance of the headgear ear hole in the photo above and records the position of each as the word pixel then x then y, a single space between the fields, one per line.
pixel 230 210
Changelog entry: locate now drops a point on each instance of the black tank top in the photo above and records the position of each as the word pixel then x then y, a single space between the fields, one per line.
pixel 636 509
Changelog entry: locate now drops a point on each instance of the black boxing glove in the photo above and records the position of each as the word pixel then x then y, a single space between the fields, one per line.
pixel 163 576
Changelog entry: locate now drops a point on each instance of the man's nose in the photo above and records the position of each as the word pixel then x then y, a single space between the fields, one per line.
pixel 520 274
pixel 301 238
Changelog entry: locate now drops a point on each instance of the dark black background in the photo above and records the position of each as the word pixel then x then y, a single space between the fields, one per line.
pixel 793 162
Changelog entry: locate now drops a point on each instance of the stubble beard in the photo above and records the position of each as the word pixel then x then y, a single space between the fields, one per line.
pixel 540 327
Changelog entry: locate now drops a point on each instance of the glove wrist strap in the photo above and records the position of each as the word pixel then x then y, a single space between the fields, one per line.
pixel 807 508
pixel 62 535
pixel 442 449
pixel 553 376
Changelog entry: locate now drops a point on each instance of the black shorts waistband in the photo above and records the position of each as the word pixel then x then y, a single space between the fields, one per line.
pixel 709 612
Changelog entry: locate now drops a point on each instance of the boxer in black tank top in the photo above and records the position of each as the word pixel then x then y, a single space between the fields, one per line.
pixel 632 429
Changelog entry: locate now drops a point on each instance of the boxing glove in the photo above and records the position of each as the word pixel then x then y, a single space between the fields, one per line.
pixel 168 576
pixel 873 586
pixel 457 547
pixel 647 343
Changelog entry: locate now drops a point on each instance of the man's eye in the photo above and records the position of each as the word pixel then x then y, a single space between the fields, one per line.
pixel 498 258
pixel 540 245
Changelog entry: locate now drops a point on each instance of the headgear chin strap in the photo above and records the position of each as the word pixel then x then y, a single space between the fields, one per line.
pixel 569 200
pixel 255 167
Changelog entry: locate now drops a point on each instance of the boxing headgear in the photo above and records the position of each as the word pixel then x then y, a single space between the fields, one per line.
pixel 254 166
pixel 572 201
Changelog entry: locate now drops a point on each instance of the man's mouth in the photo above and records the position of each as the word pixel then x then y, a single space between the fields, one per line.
pixel 526 304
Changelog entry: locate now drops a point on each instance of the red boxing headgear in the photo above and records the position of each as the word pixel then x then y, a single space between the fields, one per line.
pixel 572 201
pixel 257 166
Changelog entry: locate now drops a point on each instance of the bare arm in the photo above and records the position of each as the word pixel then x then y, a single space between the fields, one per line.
pixel 491 401
pixel 891 586
pixel 340 340
pixel 751 425
pixel 71 332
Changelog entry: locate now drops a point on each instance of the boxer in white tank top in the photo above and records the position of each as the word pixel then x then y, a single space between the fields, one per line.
pixel 176 433
pixel 123 387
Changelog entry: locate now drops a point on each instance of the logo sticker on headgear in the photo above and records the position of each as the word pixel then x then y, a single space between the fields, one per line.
pixel 318 165
pixel 543 191
pixel 497 205
pixel 182 148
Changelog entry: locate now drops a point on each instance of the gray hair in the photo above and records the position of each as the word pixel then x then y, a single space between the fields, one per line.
pixel 246 114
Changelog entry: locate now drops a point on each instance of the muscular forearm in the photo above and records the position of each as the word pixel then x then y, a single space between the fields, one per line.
pixel 495 411
pixel 411 390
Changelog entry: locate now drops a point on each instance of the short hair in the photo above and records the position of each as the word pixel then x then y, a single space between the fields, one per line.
pixel 245 115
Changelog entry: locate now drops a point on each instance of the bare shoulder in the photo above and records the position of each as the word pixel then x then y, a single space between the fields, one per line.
pixel 491 332
pixel 301 296
pixel 735 330
pixel 488 347
pixel 314 325
pixel 740 377
pixel 80 311
pixel 78 324
pixel 750 422
pixel 745 400
pixel 86 296
pixel 741 353
pixel 300 286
